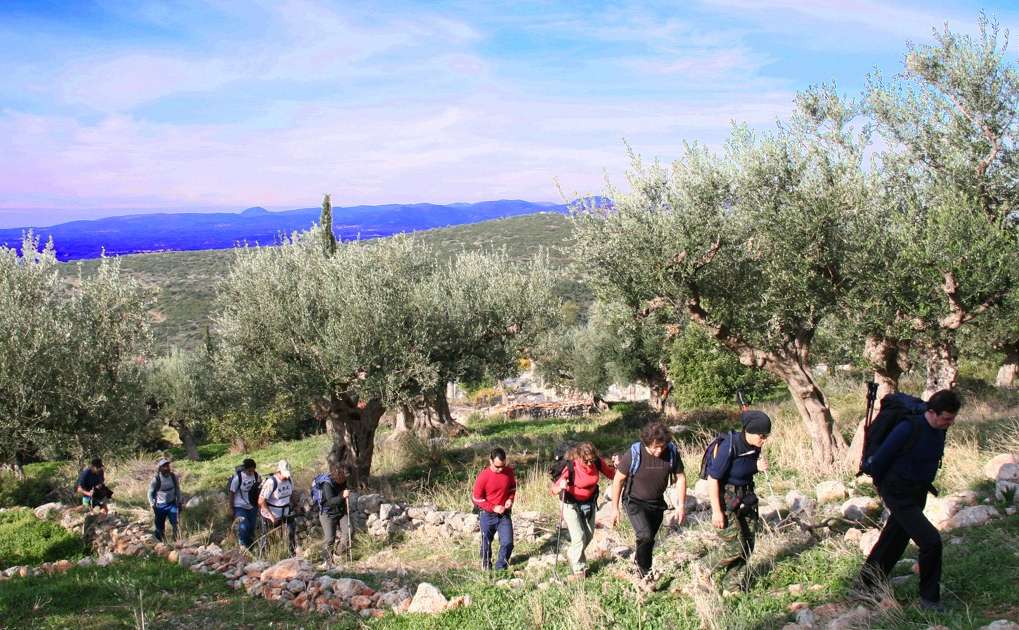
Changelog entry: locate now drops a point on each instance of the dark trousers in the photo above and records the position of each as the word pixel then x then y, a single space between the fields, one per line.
pixel 164 512
pixel 905 500
pixel 330 527
pixel 246 528
pixel 646 520
pixel 291 524
pixel 492 523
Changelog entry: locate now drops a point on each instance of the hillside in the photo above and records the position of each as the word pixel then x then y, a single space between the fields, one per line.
pixel 187 280
pixel 130 234
pixel 802 577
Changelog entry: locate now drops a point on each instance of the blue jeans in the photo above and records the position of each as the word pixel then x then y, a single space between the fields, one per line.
pixel 162 513
pixel 246 528
pixel 490 524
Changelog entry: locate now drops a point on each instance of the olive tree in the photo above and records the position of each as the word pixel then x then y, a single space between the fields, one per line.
pixel 71 355
pixel 348 334
pixel 181 392
pixel 950 125
pixel 757 245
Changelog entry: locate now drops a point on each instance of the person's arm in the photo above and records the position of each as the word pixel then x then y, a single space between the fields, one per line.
pixel 882 460
pixel 235 487
pixel 80 485
pixel 617 491
pixel 332 499
pixel 606 468
pixel 561 484
pixel 717 513
pixel 680 498
pixel 480 496
pixel 512 489
pixel 153 486
pixel 263 508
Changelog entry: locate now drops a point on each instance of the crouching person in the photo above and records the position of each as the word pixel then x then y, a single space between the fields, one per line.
pixel 92 486
pixel 165 499
pixel 334 514
pixel 731 461
pixel 494 492
pixel 274 503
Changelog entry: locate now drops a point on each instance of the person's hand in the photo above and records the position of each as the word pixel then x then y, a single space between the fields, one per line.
pixel 762 463
pixel 562 485
pixel 679 517
pixel 614 519
pixel 346 494
pixel 718 519
pixel 509 503
pixel 615 461
pixel 498 509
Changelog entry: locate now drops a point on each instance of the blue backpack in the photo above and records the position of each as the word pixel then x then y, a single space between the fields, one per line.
pixel 316 488
pixel 671 454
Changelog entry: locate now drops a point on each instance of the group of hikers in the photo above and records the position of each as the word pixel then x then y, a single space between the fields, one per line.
pixel 903 464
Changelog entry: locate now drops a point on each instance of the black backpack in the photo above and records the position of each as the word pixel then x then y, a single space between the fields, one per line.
pixel 895 408
pixel 711 451
pixel 560 461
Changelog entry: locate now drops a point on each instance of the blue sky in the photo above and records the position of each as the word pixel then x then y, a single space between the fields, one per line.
pixel 109 106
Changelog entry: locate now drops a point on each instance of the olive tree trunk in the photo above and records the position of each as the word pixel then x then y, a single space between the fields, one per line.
pixel 889 358
pixel 1008 369
pixel 352 426
pixel 187 438
pixel 812 405
pixel 942 367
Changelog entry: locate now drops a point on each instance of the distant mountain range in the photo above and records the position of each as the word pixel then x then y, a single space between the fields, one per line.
pixel 191 231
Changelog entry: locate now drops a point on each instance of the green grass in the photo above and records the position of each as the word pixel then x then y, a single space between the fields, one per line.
pixel 24 539
pixel 117 596
pixel 42 481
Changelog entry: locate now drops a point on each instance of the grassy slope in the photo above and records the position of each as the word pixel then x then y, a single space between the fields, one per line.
pixel 187 281
pixel 419 472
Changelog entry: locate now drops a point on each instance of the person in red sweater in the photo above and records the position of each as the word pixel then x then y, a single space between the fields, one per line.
pixel 494 492
pixel 577 488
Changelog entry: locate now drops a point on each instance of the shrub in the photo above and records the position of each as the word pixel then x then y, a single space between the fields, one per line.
pixel 24 539
pixel 706 375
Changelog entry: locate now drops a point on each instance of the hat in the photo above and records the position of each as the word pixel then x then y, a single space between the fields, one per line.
pixel 756 422
pixel 283 468
pixel 162 462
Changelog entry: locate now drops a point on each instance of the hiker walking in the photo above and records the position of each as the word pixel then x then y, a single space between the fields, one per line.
pixel 333 496
pixel 244 488
pixel 494 492
pixel 903 468
pixel 577 487
pixel 641 480
pixel 274 503
pixel 91 485
pixel 730 462
pixel 164 497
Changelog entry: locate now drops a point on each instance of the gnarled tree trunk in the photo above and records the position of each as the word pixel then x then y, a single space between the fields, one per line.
pixel 430 416
pixel 187 438
pixel 352 425
pixel 889 358
pixel 1007 371
pixel 813 407
pixel 660 390
pixel 942 367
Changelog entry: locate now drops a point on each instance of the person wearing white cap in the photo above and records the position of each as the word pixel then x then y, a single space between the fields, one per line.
pixel 274 502
pixel 164 497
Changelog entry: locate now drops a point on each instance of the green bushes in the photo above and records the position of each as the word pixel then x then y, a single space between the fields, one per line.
pixel 41 484
pixel 706 375
pixel 24 539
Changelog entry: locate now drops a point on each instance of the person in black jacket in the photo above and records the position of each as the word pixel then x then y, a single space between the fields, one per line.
pixel 334 515
pixel 904 468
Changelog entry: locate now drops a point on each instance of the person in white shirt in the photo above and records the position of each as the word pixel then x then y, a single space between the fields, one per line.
pixel 274 502
pixel 244 490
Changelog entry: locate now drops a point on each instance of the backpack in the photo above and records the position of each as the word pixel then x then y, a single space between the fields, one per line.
pixel 176 486
pixel 560 461
pixel 711 451
pixel 316 488
pixel 895 408
pixel 252 491
pixel 671 454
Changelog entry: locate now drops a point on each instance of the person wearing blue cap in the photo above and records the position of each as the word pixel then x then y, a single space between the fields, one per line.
pixel 731 463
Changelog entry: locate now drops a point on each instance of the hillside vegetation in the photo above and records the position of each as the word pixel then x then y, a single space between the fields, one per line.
pixel 187 281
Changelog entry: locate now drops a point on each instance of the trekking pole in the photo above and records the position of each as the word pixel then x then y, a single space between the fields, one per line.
pixel 744 404
pixel 869 417
pixel 350 531
pixel 558 533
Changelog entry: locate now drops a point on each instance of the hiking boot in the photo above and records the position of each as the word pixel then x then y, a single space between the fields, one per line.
pixel 929 606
